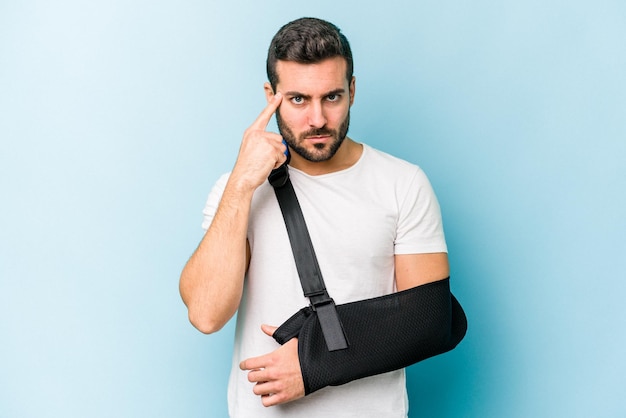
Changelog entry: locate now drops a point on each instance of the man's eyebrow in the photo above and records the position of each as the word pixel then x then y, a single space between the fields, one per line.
pixel 296 94
pixel 307 96
pixel 336 92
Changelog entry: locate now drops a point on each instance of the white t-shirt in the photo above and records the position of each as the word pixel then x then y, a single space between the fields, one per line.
pixel 358 219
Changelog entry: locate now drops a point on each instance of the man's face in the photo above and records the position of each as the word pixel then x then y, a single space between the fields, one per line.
pixel 315 112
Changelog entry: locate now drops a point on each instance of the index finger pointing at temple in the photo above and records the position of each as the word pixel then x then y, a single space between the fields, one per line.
pixel 264 118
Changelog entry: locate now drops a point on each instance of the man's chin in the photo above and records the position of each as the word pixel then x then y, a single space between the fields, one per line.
pixel 319 153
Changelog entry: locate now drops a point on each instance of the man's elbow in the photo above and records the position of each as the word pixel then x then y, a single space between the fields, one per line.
pixel 204 323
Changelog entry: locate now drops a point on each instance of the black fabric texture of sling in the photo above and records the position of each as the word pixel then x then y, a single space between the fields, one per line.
pixel 341 343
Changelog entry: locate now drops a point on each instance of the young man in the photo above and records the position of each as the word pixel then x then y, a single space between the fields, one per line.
pixel 373 219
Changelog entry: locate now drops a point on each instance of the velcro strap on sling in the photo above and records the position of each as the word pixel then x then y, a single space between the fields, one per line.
pixel 333 331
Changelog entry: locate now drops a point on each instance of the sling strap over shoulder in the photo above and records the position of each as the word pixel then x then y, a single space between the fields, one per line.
pixel 306 262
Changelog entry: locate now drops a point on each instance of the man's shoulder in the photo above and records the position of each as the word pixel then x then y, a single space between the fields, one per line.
pixel 387 161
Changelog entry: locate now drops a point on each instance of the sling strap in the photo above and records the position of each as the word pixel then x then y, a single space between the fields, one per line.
pixel 306 262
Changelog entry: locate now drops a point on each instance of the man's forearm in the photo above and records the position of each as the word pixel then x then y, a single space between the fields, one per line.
pixel 211 283
pixel 385 333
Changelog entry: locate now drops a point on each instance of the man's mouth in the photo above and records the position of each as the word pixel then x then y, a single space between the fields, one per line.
pixel 318 138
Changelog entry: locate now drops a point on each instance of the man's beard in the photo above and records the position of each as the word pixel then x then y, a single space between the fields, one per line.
pixel 322 152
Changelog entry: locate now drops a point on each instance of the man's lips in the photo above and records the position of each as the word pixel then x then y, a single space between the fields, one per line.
pixel 318 138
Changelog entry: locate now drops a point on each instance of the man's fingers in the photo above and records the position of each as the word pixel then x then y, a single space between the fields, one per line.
pixel 254 363
pixel 264 118
pixel 280 160
pixel 261 376
pixel 257 363
pixel 277 376
pixel 268 329
pixel 265 388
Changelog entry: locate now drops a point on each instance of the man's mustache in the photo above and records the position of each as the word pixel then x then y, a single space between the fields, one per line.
pixel 318 132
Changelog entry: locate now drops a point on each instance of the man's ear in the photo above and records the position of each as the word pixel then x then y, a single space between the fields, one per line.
pixel 269 91
pixel 352 89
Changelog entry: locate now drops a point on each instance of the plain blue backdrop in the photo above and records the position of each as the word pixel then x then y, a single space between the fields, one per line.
pixel 116 117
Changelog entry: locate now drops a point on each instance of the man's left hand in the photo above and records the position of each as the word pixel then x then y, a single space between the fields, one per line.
pixel 277 374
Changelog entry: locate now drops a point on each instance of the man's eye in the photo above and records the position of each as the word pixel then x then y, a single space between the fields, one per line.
pixel 297 100
pixel 332 97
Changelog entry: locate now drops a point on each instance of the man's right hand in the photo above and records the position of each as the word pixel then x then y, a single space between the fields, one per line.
pixel 261 151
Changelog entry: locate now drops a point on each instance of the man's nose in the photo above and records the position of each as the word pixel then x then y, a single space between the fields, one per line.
pixel 317 118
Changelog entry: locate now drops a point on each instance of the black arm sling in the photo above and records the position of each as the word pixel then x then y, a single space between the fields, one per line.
pixel 341 343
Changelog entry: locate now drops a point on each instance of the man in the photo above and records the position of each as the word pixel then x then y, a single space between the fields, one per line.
pixel 374 222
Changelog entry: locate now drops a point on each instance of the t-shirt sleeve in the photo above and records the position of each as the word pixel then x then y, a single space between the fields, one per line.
pixel 213 201
pixel 420 228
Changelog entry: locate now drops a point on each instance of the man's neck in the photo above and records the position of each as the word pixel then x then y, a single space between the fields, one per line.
pixel 346 156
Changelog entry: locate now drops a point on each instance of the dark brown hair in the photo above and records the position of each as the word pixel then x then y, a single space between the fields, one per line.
pixel 307 41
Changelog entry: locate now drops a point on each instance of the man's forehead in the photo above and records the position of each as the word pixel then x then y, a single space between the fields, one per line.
pixel 329 74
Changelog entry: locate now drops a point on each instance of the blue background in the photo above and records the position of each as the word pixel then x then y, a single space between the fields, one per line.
pixel 116 117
